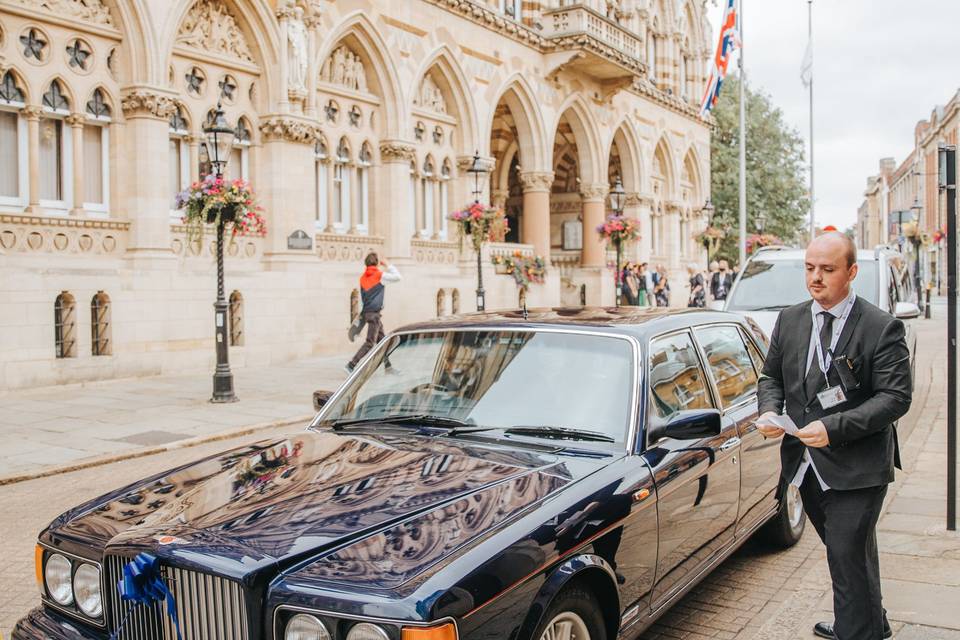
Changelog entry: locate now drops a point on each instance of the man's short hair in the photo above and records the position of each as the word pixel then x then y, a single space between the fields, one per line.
pixel 849 248
pixel 371 260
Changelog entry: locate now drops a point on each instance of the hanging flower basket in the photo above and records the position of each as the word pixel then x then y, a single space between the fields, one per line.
pixel 710 234
pixel 525 270
pixel 619 229
pixel 217 201
pixel 480 223
pixel 756 240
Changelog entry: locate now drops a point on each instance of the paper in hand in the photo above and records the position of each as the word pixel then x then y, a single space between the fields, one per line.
pixel 784 422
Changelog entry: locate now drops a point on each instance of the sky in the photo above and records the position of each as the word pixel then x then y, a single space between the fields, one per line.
pixel 879 67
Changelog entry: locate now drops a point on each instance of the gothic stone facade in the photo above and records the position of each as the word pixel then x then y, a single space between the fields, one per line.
pixel 356 121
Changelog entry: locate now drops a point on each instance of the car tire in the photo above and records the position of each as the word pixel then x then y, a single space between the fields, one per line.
pixel 786 528
pixel 574 609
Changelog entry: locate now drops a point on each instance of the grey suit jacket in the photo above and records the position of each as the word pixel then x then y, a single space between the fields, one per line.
pixel 863 445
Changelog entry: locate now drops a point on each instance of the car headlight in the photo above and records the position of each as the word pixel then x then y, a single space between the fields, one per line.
pixel 305 627
pixel 56 573
pixel 367 631
pixel 86 590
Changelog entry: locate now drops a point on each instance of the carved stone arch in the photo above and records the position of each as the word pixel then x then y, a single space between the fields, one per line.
pixel 23 85
pixel 694 26
pixel 664 150
pixel 65 89
pixel 357 29
pixel 109 98
pixel 256 23
pixel 502 169
pixel 587 136
pixel 138 48
pixel 626 140
pixel 253 131
pixel 518 96
pixel 456 89
pixel 692 166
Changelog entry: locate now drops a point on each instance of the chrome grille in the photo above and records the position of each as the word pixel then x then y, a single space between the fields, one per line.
pixel 208 607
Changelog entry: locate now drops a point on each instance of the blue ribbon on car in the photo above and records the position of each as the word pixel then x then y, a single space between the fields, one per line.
pixel 142 584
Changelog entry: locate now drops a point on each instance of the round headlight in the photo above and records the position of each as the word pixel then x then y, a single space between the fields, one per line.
pixel 367 631
pixel 86 589
pixel 305 627
pixel 57 576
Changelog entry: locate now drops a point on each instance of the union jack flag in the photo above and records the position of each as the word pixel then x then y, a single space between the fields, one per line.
pixel 729 40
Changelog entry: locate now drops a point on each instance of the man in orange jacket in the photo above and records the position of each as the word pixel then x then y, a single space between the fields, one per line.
pixel 377 274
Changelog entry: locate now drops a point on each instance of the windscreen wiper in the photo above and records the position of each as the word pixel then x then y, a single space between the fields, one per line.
pixel 567 433
pixel 418 419
pixel 773 307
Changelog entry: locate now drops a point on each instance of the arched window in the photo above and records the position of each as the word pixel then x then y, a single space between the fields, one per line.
pixel 14 180
pixel 441 302
pixel 455 301
pixel 445 175
pixel 96 154
pixel 364 162
pixel 354 304
pixel 236 319
pixel 239 164
pixel 179 176
pixel 56 162
pixel 320 159
pixel 100 325
pixel 65 326
pixel 426 186
pixel 341 187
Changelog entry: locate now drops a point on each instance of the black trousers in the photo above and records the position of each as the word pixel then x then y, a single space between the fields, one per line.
pixel 846 522
pixel 374 335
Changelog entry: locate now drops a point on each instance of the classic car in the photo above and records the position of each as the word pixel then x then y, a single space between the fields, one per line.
pixel 547 474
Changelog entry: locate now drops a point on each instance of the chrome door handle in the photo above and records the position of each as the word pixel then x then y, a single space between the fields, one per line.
pixel 730 444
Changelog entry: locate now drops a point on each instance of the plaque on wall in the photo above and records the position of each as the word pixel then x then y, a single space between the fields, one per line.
pixel 572 235
pixel 299 240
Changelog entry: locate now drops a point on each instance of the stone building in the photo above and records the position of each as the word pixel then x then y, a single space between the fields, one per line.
pixel 355 122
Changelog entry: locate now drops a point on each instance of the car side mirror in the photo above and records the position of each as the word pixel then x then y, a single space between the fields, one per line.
pixel 906 310
pixel 691 424
pixel 320 398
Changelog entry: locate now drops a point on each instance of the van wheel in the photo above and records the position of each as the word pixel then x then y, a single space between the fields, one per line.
pixel 786 528
pixel 573 615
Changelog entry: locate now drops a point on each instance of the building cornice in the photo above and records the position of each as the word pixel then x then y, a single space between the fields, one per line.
pixel 276 127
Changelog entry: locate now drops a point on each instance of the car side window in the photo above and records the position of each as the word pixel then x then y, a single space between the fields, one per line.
pixel 754 353
pixel 729 362
pixel 677 379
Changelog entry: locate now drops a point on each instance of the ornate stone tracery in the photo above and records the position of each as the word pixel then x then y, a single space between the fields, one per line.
pixel 87 10
pixel 210 26
pixel 141 102
pixel 345 68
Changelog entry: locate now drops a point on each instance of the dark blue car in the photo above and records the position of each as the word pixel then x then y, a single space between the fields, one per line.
pixel 553 475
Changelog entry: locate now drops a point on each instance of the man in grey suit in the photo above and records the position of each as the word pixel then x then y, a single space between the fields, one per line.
pixel 840 369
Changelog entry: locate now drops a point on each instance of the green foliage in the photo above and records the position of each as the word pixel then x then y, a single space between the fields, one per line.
pixel 776 174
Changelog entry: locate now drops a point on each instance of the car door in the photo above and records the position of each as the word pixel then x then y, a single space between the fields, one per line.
pixel 697 481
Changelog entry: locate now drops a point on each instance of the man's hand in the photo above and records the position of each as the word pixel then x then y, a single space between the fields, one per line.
pixel 814 435
pixel 384 264
pixel 768 430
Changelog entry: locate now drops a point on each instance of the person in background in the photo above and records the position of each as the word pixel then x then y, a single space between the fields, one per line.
pixel 698 292
pixel 661 288
pixel 721 281
pixel 643 285
pixel 375 276
pixel 628 278
pixel 713 268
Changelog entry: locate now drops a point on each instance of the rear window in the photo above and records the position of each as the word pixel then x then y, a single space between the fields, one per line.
pixel 769 285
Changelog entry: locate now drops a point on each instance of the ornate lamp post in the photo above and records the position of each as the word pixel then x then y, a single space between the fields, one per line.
pixel 477 169
pixel 618 198
pixel 219 140
pixel 711 242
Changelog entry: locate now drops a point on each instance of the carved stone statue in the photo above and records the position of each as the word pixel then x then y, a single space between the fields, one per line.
pixel 209 26
pixel 431 97
pixel 345 68
pixel 297 52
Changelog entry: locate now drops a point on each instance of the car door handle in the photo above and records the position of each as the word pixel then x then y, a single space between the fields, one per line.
pixel 730 444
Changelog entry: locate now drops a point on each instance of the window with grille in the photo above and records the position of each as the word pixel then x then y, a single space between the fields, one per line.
pixel 100 324
pixel 441 302
pixel 236 319
pixel 65 326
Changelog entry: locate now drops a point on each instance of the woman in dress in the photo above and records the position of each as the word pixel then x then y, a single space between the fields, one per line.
pixel 661 290
pixel 698 292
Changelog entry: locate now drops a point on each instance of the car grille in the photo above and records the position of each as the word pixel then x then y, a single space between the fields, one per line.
pixel 208 607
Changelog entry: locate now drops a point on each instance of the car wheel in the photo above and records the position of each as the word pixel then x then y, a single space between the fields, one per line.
pixel 573 615
pixel 785 529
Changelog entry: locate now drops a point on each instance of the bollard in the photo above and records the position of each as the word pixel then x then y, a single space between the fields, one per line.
pixel 926 306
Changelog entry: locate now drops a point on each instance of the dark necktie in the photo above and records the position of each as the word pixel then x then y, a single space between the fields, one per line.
pixel 815 379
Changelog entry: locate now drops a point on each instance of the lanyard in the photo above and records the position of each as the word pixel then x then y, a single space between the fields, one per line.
pixel 824 362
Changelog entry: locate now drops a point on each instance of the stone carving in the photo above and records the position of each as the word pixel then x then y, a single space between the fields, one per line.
pixel 290 129
pixel 296 52
pixel 536 180
pixel 594 192
pixel 346 69
pixel 87 10
pixel 396 150
pixel 141 102
pixel 430 95
pixel 211 27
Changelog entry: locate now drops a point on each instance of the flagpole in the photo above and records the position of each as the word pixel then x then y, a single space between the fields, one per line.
pixel 743 146
pixel 810 40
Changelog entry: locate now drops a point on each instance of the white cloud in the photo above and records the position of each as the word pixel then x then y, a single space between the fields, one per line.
pixel 879 67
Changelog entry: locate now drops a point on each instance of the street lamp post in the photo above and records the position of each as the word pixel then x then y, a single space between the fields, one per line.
pixel 761 221
pixel 711 244
pixel 617 199
pixel 219 140
pixel 477 169
pixel 917 208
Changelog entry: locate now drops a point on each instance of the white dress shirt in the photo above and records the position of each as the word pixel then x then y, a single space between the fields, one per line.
pixel 840 313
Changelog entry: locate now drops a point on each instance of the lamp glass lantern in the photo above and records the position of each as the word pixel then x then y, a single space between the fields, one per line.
pixel 477 170
pixel 219 140
pixel 709 210
pixel 618 197
pixel 761 222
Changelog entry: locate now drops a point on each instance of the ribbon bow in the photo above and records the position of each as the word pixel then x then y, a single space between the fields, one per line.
pixel 142 584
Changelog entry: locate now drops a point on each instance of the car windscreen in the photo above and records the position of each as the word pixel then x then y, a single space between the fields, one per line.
pixel 497 379
pixel 775 284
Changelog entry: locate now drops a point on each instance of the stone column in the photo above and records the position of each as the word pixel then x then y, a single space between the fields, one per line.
pixel 32 115
pixel 419 208
pixel 194 143
pixel 331 201
pixel 355 217
pixel 146 201
pixel 391 198
pixel 631 209
pixel 312 23
pixel 436 213
pixel 283 13
pixel 535 224
pixel 75 121
pixel 593 209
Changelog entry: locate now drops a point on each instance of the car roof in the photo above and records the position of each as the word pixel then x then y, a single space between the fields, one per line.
pixel 639 322
pixel 792 253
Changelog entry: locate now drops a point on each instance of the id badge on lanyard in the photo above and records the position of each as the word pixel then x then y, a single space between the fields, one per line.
pixel 831 396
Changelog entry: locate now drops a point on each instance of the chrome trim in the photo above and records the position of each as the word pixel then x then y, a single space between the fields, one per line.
pixel 373 619
pixel 100 622
pixel 632 422
pixel 730 444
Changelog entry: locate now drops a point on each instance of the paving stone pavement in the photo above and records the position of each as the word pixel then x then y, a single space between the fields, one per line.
pixel 55 427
